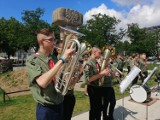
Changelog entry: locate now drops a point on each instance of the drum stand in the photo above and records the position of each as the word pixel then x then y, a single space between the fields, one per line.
pixel 147 111
pixel 158 89
pixel 122 106
pixel 122 102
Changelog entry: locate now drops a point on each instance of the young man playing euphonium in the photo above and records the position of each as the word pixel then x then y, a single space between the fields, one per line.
pixel 92 75
pixel 41 73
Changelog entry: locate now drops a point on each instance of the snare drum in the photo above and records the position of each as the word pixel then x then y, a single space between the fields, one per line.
pixel 140 93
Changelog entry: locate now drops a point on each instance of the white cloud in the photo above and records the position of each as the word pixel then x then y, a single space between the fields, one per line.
pixel 103 10
pixel 130 2
pixel 125 2
pixel 145 15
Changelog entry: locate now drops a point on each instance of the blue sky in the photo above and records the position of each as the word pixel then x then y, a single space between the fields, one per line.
pixel 14 8
pixel 143 12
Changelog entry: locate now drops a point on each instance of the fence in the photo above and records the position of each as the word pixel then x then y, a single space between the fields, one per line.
pixel 4 94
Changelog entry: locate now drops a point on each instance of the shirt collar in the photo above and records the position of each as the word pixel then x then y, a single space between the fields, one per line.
pixel 43 56
pixel 93 60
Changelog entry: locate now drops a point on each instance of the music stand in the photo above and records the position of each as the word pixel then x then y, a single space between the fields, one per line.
pixel 157 89
pixel 125 83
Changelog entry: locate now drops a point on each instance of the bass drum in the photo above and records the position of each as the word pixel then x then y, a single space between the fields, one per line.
pixel 140 93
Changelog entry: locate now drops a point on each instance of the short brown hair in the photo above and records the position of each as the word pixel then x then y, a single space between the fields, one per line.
pixel 44 31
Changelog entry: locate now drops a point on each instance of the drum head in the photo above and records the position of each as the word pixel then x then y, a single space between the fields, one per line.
pixel 138 93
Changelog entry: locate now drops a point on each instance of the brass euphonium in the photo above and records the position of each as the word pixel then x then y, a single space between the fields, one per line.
pixel 106 56
pixel 105 61
pixel 65 75
pixel 76 74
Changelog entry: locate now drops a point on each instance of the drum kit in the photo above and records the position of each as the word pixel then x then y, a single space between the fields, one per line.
pixel 157 88
pixel 142 93
pixel 138 93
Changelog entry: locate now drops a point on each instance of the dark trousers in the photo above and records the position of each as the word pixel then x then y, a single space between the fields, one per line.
pixel 108 100
pixel 135 80
pixel 129 69
pixel 143 77
pixel 68 106
pixel 49 112
pixel 95 99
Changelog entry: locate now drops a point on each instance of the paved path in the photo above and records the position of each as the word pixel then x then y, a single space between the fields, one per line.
pixel 132 110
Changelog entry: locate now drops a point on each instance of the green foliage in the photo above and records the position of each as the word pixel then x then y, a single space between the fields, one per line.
pixel 33 22
pixel 142 41
pixel 56 30
pixel 123 46
pixel 15 35
pixel 100 30
pixel 9 35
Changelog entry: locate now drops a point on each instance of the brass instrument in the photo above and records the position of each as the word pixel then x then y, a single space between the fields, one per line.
pixel 88 49
pixel 76 72
pixel 106 56
pixel 115 69
pixel 66 76
pixel 103 66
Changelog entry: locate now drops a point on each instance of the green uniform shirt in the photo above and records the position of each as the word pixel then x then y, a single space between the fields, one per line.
pixel 91 68
pixel 129 62
pixel 142 65
pixel 119 63
pixel 108 81
pixel 36 66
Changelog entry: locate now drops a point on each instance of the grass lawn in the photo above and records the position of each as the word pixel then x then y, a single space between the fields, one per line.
pixel 23 107
pixel 18 108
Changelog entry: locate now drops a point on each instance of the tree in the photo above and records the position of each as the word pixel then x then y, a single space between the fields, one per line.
pixel 9 35
pixel 100 30
pixel 141 39
pixel 32 23
pixel 123 46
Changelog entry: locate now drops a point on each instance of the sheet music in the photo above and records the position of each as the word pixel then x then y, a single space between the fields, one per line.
pixel 129 78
